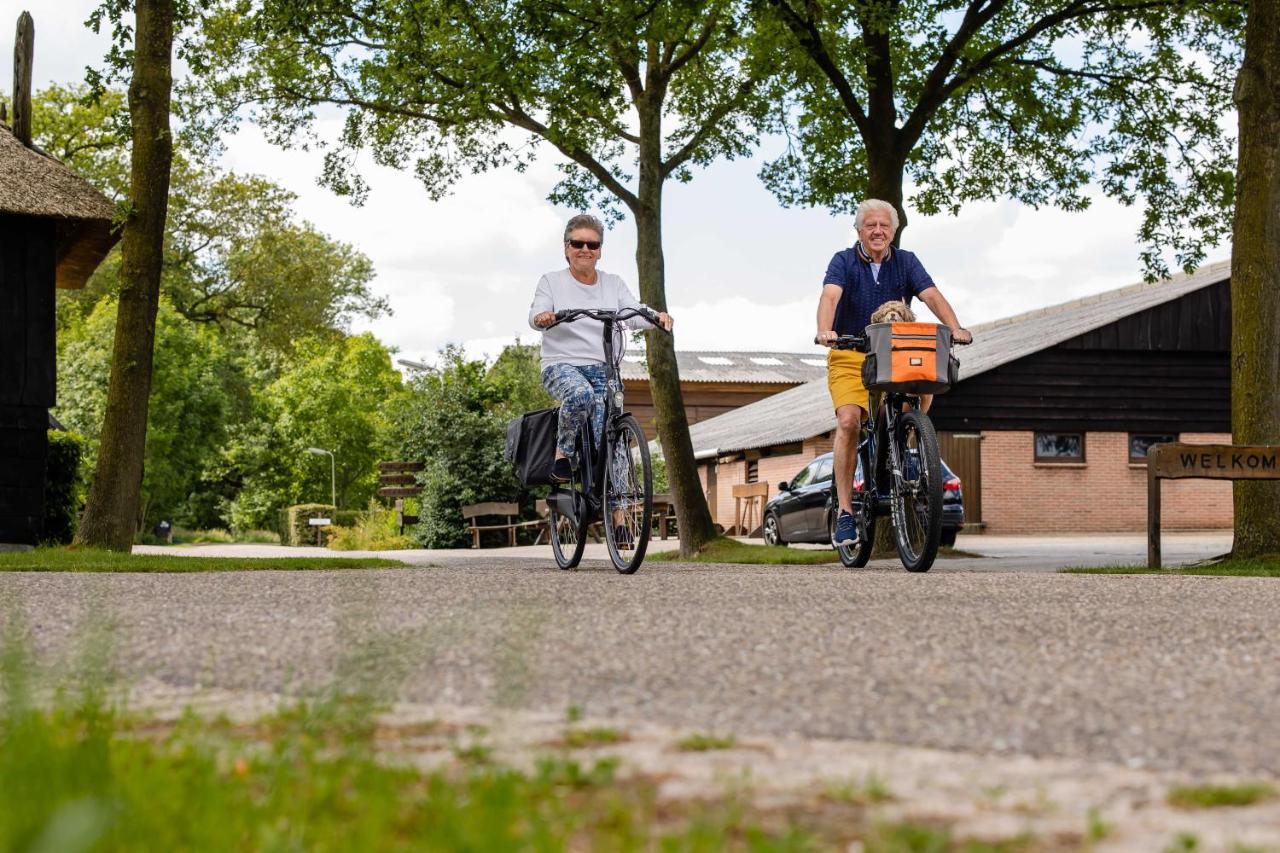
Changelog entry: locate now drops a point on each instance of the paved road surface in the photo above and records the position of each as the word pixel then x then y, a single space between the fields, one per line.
pixel 1178 672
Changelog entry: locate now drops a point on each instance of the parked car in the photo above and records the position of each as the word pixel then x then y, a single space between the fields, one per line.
pixel 803 509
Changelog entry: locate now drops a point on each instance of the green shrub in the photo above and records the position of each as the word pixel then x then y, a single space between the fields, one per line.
pixel 63 487
pixel 300 531
pixel 375 530
pixel 346 517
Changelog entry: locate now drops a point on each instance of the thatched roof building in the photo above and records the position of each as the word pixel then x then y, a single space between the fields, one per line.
pixel 34 184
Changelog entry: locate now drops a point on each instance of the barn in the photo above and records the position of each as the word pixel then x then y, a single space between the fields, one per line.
pixel 54 231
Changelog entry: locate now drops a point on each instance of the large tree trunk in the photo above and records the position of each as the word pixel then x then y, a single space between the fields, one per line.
pixel 111 513
pixel 692 515
pixel 1255 277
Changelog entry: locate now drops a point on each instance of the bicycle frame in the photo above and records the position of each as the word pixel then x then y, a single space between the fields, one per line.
pixel 879 455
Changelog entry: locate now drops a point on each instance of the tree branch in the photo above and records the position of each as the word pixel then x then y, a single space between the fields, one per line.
pixel 806 32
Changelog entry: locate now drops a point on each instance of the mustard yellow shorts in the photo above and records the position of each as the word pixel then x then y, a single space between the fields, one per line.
pixel 844 379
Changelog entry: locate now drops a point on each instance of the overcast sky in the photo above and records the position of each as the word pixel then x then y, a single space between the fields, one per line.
pixel 742 272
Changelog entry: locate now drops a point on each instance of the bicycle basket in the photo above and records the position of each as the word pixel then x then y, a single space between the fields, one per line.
pixel 531 446
pixel 913 358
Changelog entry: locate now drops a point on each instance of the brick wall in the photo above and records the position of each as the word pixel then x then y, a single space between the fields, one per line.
pixel 1104 494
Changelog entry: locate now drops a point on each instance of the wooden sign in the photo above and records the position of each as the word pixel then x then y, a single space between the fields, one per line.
pixel 1202 461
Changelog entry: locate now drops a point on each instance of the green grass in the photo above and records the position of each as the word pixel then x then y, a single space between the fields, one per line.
pixel 725 550
pixel 1258 567
pixel 1217 796
pixel 93 560
pixel 699 742
pixel 601 736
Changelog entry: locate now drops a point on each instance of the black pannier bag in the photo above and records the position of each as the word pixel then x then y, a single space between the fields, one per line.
pixel 531 446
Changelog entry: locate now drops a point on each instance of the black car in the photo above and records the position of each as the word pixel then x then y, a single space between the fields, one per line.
pixel 803 509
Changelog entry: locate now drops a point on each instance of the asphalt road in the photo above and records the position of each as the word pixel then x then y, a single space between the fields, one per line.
pixel 1169 672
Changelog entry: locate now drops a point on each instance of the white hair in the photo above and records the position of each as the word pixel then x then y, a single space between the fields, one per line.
pixel 875 204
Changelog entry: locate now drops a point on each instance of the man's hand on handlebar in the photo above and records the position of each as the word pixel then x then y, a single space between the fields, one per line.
pixel 826 338
pixel 961 336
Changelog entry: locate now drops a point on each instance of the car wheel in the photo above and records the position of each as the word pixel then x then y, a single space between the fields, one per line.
pixel 772 534
pixel 948 537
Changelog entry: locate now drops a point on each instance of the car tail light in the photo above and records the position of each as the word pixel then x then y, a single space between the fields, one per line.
pixel 857 484
pixel 952 485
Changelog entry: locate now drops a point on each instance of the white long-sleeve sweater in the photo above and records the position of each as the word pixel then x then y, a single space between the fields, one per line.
pixel 582 341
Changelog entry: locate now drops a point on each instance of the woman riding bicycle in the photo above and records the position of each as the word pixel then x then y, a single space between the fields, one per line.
pixel 573 353
pixel 858 281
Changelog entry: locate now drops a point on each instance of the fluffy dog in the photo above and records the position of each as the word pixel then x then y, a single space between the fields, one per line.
pixel 895 311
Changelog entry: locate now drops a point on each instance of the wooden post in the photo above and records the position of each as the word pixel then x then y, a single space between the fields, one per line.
pixel 23 53
pixel 1153 514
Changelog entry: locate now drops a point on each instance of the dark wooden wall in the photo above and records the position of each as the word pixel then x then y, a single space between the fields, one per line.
pixel 27 262
pixel 1166 369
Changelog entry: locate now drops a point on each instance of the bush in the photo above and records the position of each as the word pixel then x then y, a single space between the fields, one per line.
pixel 63 487
pixel 300 531
pixel 347 517
pixel 375 530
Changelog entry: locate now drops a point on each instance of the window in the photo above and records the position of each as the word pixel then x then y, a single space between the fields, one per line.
pixel 804 476
pixel 753 471
pixel 1059 447
pixel 823 471
pixel 1140 443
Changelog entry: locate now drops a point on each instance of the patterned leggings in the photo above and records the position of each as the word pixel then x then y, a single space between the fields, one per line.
pixel 580 390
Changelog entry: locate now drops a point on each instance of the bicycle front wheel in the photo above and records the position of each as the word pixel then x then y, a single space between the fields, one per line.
pixel 917 494
pixel 628 495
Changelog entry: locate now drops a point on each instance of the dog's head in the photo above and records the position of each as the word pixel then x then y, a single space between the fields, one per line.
pixel 895 311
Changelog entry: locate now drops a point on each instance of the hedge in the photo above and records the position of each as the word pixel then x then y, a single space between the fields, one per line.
pixel 63 487
pixel 300 531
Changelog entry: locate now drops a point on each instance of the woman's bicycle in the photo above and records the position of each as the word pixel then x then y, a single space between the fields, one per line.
pixel 902 479
pixel 613 480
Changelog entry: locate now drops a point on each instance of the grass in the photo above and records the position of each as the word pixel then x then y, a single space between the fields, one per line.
pixel 601 736
pixel 1267 566
pixel 725 550
pixel 1218 796
pixel 699 742
pixel 871 791
pixel 94 560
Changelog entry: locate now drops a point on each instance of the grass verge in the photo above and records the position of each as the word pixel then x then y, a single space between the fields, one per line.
pixel 1267 566
pixel 94 560
pixel 1217 796
pixel 726 550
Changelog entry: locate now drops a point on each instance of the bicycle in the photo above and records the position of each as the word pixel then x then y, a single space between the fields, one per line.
pixel 902 479
pixel 620 495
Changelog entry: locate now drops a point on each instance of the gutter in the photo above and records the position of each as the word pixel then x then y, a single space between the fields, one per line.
pixel 712 453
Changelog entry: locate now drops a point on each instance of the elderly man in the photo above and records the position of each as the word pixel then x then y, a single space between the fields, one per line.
pixel 858 281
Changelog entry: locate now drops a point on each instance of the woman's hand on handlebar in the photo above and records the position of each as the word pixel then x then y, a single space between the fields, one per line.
pixel 665 320
pixel 545 319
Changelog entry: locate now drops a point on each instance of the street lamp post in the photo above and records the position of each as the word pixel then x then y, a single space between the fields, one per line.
pixel 333 477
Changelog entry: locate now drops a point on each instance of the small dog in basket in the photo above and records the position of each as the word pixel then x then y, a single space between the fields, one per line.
pixel 894 311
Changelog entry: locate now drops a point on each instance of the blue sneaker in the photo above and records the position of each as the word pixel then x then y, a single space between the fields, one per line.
pixel 846 532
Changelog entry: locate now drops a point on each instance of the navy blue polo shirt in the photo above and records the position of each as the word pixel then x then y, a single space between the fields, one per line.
pixel 902 276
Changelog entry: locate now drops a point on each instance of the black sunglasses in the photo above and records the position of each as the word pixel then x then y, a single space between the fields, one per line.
pixel 590 244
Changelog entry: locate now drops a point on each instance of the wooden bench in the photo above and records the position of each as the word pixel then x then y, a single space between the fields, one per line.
pixel 664 513
pixel 511 511
pixel 399 480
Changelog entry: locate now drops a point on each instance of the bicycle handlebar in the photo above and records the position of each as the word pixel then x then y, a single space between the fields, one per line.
pixel 859 342
pixel 568 315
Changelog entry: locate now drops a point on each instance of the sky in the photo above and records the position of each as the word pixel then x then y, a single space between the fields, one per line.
pixel 743 273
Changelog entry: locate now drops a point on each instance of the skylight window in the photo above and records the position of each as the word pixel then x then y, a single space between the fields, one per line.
pixel 814 362
pixel 714 359
pixel 634 359
pixel 767 360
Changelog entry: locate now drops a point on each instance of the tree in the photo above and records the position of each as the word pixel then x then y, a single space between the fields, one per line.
pixel 1255 278
pixel 111 512
pixel 236 255
pixel 1022 99
pixel 629 93
pixel 455 422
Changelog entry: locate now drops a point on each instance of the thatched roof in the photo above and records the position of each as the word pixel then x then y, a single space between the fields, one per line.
pixel 35 184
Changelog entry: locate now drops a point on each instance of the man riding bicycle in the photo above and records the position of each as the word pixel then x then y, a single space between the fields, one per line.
pixel 857 282
pixel 572 354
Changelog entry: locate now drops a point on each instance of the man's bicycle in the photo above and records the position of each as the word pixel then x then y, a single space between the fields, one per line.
pixel 612 481
pixel 902 479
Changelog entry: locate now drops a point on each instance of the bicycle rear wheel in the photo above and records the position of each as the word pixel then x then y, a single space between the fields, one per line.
pixel 628 495
pixel 917 496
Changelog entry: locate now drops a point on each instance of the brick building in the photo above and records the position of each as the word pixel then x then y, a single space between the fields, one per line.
pixel 1050 423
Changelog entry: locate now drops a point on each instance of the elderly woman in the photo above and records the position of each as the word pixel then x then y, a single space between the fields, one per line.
pixel 858 281
pixel 573 353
